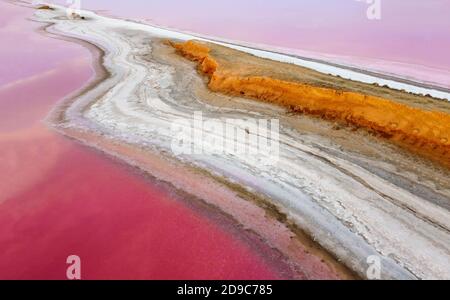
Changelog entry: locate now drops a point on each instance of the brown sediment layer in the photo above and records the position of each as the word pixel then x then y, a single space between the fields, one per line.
pixel 44 7
pixel 421 127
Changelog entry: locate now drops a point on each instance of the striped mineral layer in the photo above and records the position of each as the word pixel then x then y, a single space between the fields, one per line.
pixel 338 197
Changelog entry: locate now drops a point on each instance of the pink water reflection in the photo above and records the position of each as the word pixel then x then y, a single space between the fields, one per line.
pixel 59 198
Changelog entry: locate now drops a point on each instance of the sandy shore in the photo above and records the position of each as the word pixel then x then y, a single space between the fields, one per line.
pixel 335 194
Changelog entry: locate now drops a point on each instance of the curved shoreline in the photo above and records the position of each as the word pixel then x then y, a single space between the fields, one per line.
pixel 289 266
pixel 310 215
pixel 321 61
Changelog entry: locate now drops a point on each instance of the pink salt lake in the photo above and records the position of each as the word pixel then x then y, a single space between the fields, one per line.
pixel 59 198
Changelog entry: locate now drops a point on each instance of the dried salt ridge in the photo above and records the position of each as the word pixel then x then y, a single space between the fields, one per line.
pixel 353 194
pixel 415 122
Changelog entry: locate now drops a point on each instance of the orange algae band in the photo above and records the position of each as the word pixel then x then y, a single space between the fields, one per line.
pixel 426 132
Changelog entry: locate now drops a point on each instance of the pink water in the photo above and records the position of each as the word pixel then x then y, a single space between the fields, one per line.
pixel 58 198
pixel 411 38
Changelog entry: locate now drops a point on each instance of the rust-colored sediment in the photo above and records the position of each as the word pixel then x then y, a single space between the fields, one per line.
pixel 422 130
pixel 44 7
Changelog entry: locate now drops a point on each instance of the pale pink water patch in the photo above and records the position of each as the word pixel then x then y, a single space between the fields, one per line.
pixel 411 38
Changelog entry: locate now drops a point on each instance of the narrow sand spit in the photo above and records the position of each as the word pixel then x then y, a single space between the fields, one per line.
pixel 351 193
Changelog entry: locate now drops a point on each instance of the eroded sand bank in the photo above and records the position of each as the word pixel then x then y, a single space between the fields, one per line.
pixel 351 193
pixel 416 122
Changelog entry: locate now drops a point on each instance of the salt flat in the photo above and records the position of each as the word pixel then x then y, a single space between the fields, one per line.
pixel 354 195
